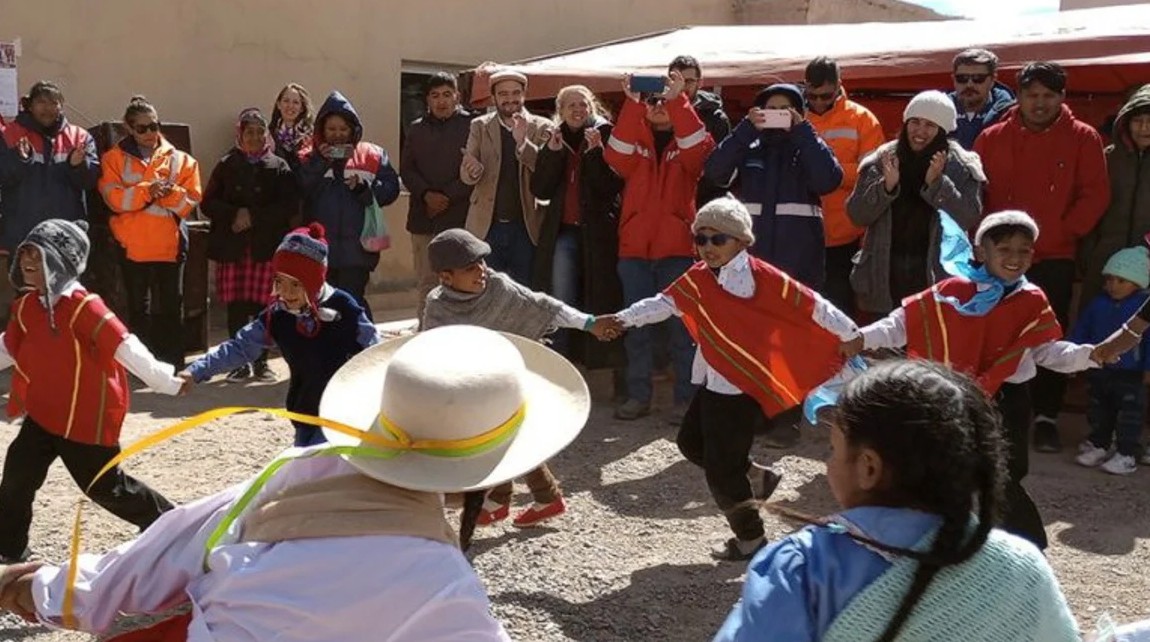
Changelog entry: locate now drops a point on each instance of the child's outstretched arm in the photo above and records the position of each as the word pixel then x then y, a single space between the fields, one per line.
pixel 887 332
pixel 139 360
pixel 240 350
pixel 649 311
pixel 1066 357
pixel 834 320
pixel 604 328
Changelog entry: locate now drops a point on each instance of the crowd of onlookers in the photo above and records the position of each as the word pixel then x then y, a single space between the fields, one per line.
pixel 595 208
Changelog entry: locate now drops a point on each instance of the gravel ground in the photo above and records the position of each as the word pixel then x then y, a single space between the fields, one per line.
pixel 630 561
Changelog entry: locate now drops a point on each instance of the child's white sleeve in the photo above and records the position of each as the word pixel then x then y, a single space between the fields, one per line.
pixel 1064 356
pixel 159 376
pixel 569 317
pixel 888 332
pixel 650 310
pixel 6 359
pixel 834 320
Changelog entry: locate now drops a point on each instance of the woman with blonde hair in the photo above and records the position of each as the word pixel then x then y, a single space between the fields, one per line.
pixel 577 254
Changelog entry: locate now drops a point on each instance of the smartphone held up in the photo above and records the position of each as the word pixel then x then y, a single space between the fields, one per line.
pixel 648 84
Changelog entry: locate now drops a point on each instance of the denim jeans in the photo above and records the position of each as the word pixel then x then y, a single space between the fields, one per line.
pixel 565 278
pixel 642 278
pixel 1116 409
pixel 511 250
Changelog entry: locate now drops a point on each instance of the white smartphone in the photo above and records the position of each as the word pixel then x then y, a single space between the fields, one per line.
pixel 776 119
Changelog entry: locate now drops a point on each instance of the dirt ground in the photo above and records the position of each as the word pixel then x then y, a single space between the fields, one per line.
pixel 630 560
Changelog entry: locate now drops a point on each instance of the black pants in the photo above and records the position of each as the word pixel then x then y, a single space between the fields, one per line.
pixel 716 435
pixel 240 313
pixel 1056 278
pixel 837 289
pixel 26 466
pixel 354 282
pixel 1020 516
pixel 155 307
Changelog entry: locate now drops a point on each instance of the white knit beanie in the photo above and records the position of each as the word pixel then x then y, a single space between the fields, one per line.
pixel 1008 217
pixel 726 215
pixel 934 106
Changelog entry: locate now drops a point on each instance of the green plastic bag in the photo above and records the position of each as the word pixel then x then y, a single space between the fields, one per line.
pixel 374 237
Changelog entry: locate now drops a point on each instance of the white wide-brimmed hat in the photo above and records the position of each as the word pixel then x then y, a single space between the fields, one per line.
pixel 474 407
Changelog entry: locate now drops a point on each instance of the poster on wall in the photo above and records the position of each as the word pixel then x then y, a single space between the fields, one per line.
pixel 9 94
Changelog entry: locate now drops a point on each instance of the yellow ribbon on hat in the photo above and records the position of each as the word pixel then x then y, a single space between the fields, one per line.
pixel 396 442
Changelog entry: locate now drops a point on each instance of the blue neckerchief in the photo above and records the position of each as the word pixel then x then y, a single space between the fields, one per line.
pixel 957 258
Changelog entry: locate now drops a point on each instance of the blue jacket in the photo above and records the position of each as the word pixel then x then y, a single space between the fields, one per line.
pixel 1102 317
pixel 331 202
pixel 1001 99
pixel 781 176
pixel 45 185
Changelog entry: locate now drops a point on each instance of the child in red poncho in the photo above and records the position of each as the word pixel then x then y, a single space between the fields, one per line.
pixel 765 341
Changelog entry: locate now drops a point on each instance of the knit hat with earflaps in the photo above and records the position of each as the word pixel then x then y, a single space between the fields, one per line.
pixel 302 255
pixel 64 249
pixel 1132 264
pixel 726 215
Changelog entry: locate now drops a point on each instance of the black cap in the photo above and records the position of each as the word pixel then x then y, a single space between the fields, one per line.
pixel 454 249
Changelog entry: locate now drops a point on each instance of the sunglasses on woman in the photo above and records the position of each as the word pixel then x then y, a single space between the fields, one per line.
pixel 143 129
pixel 717 240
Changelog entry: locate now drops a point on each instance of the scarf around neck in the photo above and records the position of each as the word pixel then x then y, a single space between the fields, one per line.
pixel 503 306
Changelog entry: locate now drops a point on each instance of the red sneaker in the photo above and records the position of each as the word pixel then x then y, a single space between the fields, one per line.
pixel 492 512
pixel 539 513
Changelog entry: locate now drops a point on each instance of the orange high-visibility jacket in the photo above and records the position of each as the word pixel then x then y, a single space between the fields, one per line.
pixel 149 231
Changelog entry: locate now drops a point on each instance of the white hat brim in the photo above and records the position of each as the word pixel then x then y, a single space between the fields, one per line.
pixel 558 405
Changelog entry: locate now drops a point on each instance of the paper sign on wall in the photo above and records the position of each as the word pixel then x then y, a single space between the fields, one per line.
pixel 9 93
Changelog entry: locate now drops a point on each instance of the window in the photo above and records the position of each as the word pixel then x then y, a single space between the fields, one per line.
pixel 411 102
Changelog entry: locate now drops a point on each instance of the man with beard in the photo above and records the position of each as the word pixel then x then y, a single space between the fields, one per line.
pixel 498 160
pixel 430 170
pixel 1044 161
pixel 979 98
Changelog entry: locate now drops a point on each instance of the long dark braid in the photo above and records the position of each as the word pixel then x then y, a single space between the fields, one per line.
pixel 472 506
pixel 941 445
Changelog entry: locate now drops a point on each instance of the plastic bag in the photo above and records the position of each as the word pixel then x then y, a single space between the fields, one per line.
pixel 374 237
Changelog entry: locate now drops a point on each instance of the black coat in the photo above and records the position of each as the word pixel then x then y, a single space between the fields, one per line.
pixel 599 188
pixel 266 188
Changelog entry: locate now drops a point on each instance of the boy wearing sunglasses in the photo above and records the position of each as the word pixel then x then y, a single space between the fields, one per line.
pixel 764 341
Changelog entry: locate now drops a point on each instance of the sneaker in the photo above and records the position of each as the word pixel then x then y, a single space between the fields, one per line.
pixel 492 512
pixel 731 551
pixel 631 410
pixel 1092 457
pixel 1120 464
pixel 1145 459
pixel 1046 437
pixel 261 372
pixel 538 513
pixel 242 373
pixel 764 481
pixel 1085 446
pixel 675 415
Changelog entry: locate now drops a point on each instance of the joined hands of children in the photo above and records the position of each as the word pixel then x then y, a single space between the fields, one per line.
pixel 16 589
pixel 189 382
pixel 607 327
pixel 851 348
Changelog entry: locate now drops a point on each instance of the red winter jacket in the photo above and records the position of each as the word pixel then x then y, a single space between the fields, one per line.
pixel 658 197
pixel 1058 176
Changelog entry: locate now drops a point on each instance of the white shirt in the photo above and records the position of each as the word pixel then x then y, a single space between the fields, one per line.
pixel 349 589
pixel 737 278
pixel 1059 356
pixel 132 354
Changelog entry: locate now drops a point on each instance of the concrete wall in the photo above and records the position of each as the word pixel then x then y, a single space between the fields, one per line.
pixel 201 62
pixel 1068 5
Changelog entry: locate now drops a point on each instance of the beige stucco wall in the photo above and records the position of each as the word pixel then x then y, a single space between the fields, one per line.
pixel 201 62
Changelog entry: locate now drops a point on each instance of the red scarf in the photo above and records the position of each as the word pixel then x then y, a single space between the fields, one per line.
pixel 768 346
pixel 988 347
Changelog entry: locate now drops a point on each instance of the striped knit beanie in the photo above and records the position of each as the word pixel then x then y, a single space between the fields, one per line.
pixel 302 255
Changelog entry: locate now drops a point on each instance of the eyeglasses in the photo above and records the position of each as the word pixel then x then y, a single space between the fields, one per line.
pixel 654 101
pixel 977 79
pixel 717 240
pixel 824 96
pixel 143 129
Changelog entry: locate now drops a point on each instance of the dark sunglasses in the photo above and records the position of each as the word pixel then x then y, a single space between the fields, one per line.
pixel 977 79
pixel 718 240
pixel 829 95
pixel 654 101
pixel 143 129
